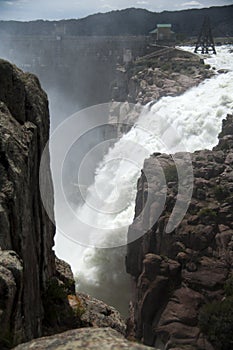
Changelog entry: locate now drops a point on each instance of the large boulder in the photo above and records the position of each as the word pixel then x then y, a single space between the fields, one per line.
pixel 83 338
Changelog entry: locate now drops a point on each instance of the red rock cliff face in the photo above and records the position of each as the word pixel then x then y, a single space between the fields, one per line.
pixel 26 234
pixel 174 274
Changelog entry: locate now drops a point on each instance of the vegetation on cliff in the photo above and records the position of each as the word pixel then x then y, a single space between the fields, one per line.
pixel 216 319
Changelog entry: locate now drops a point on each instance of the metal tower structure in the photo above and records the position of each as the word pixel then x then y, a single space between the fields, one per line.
pixel 205 41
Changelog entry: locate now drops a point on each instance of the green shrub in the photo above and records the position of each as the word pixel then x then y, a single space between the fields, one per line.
pixel 170 173
pixel 216 322
pixel 208 212
pixel 53 300
pixel 55 291
pixel 78 307
pixel 166 66
pixel 220 192
pixel 6 340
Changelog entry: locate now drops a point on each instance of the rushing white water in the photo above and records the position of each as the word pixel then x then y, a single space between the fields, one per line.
pixel 196 117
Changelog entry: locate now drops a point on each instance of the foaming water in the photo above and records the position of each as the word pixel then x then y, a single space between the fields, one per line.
pixel 220 61
pixel 188 122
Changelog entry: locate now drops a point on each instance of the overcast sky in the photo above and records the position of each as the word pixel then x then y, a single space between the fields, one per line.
pixel 59 9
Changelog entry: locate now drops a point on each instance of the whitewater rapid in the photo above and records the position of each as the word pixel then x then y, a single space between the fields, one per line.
pixel 188 122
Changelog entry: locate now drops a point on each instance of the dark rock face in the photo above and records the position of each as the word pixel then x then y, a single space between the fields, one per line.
pixel 11 290
pixel 26 234
pixel 175 274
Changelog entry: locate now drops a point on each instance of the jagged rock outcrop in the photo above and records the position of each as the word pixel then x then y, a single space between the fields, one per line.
pixel 174 274
pixel 95 313
pixel 65 275
pixel 164 72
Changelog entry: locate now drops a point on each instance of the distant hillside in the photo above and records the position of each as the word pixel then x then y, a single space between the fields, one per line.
pixel 129 22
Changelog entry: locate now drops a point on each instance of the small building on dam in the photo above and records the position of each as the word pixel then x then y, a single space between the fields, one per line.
pixel 163 34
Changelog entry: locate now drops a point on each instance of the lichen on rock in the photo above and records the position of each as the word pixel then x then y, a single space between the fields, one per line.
pixel 84 338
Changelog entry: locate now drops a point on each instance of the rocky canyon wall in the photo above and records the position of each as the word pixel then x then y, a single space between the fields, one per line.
pixel 174 274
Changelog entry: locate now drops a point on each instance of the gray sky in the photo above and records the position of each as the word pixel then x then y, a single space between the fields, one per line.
pixel 60 9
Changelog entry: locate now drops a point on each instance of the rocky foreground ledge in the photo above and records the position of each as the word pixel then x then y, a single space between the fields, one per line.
pixel 183 280
pixel 83 338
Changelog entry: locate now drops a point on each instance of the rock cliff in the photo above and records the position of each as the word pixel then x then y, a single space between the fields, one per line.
pixel 175 274
pixel 26 234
